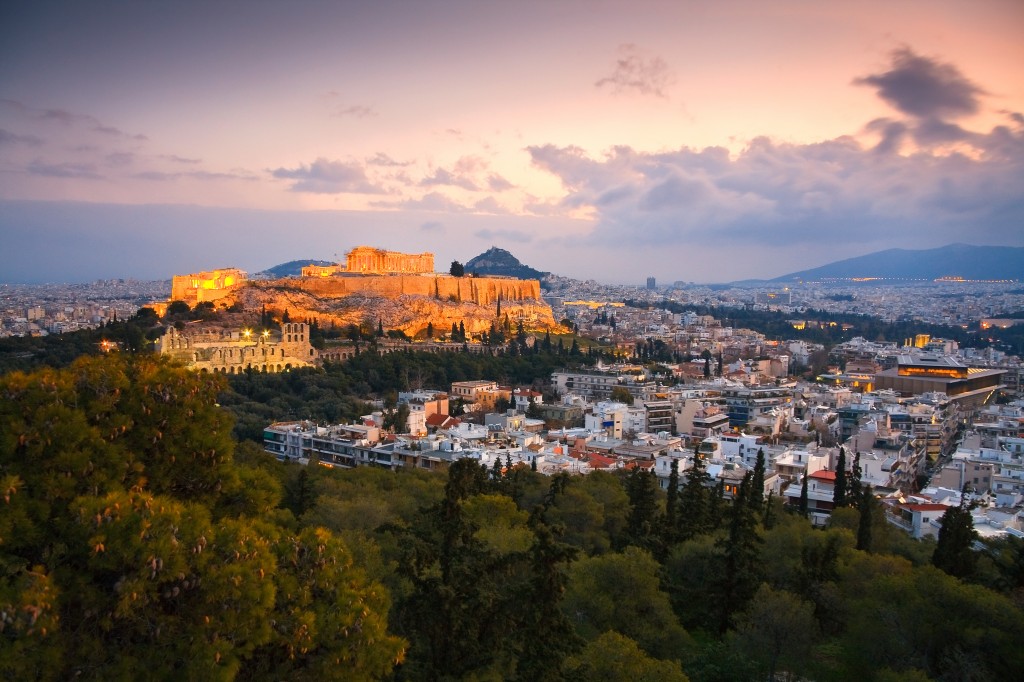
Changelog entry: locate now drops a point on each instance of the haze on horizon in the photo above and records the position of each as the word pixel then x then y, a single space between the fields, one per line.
pixel 610 140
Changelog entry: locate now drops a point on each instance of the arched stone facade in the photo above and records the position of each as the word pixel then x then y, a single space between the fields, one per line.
pixel 235 351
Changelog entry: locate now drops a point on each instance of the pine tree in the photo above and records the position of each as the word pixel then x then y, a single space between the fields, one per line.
pixel 741 551
pixel 867 504
pixel 670 527
pixel 768 521
pixel 695 502
pixel 855 495
pixel 756 497
pixel 839 492
pixel 641 487
pixel 803 496
pixel 954 552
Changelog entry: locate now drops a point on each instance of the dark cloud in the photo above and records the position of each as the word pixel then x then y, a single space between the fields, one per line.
pixel 382 159
pixel 328 177
pixel 354 111
pixel 447 178
pixel 925 88
pixel 433 202
pixel 891 135
pixel 503 234
pixel 489 205
pixel 777 195
pixel 64 170
pixel 7 137
pixel 120 159
pixel 180 159
pixel 161 176
pixel 648 75
pixel 496 183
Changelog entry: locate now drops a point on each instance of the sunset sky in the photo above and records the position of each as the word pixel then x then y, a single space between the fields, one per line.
pixel 606 140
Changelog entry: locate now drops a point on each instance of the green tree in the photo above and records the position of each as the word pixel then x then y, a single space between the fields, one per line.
pixel 178 308
pixel 456 269
pixel 778 631
pixel 642 489
pixel 457 624
pixel 954 552
pixel 670 524
pixel 757 483
pixel 621 394
pixel 803 506
pixel 621 592
pixel 550 635
pixel 132 541
pixel 855 492
pixel 741 566
pixel 613 657
pixel 839 491
pixel 867 509
pixel 695 501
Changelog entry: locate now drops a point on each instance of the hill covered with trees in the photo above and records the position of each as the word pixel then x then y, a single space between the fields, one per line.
pixel 136 534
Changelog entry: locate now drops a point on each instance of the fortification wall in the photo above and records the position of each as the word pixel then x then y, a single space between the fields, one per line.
pixel 206 286
pixel 480 290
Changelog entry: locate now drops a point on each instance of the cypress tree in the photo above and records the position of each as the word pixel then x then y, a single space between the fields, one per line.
pixel 740 576
pixel 768 521
pixel 866 504
pixel 694 502
pixel 756 497
pixel 670 527
pixel 839 493
pixel 642 491
pixel 855 483
pixel 953 552
pixel 803 496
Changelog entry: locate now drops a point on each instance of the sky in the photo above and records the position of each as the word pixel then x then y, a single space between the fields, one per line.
pixel 603 139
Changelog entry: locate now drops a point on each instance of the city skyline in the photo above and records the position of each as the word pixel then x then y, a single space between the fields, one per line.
pixel 599 140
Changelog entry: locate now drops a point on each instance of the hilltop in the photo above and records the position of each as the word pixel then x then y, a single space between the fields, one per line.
pixel 953 260
pixel 292 268
pixel 495 261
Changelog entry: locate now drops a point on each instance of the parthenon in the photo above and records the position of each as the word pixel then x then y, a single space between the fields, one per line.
pixel 366 259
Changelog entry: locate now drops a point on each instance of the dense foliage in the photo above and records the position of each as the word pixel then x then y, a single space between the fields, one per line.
pixel 338 391
pixel 131 541
pixel 136 534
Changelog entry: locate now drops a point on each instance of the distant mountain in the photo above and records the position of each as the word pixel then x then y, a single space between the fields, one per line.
pixel 292 268
pixel 954 260
pixel 495 261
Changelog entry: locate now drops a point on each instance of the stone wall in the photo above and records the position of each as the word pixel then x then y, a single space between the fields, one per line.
pixel 235 351
pixel 211 285
pixel 479 290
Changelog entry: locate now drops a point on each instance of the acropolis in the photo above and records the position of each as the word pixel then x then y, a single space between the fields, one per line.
pixel 366 260
pixel 206 286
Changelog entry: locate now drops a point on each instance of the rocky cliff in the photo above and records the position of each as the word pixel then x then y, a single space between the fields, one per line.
pixel 408 303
